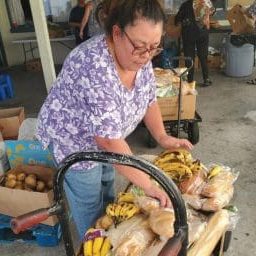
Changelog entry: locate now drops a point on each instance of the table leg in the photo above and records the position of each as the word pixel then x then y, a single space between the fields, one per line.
pixel 25 54
pixel 31 50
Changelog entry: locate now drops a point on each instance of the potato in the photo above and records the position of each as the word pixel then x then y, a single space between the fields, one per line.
pixel 40 186
pixel 106 221
pixel 11 176
pixel 28 188
pixel 30 181
pixel 10 183
pixel 50 184
pixel 21 176
pixel 19 186
pixel 33 176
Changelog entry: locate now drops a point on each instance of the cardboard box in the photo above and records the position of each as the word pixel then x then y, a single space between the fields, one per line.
pixel 214 61
pixel 28 152
pixel 239 21
pixel 169 107
pixel 231 3
pixel 10 121
pixel 15 202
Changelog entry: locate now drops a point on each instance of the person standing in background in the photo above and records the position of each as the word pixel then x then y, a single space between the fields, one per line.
pixel 89 19
pixel 194 17
pixel 75 20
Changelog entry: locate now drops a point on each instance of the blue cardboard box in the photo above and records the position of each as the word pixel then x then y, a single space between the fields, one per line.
pixel 28 152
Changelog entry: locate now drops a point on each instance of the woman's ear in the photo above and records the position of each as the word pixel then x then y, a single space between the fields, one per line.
pixel 116 32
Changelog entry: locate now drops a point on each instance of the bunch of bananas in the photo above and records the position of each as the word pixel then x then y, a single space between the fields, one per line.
pixel 178 164
pixel 122 211
pixel 96 243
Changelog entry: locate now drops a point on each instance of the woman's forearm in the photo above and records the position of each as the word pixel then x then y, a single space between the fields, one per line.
pixel 121 147
pixel 154 122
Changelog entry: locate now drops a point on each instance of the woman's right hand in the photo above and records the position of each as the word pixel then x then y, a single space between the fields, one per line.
pixel 157 193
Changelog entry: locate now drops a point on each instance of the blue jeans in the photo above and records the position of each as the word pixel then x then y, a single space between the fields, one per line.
pixel 88 193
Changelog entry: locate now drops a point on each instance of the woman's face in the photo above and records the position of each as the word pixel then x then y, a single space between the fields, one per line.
pixel 137 44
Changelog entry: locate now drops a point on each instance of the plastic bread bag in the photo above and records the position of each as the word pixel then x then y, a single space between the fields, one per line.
pixel 194 201
pixel 233 216
pixel 216 203
pixel 134 242
pixel 147 204
pixel 161 222
pixel 219 179
pixel 188 89
pixel 196 228
pixel 197 223
pixel 193 185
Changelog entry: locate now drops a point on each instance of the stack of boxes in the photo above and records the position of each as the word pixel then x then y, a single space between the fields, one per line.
pixel 29 157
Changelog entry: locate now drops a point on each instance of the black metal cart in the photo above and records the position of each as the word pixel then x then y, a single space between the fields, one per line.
pixel 188 126
pixel 177 245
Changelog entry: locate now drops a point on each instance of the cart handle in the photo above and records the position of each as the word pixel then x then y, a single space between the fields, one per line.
pixel 28 220
pixel 190 62
pixel 180 224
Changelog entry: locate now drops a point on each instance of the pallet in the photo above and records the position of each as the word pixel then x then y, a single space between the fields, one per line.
pixel 42 235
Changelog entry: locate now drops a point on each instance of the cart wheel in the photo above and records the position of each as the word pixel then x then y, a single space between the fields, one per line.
pixel 193 132
pixel 227 240
pixel 151 142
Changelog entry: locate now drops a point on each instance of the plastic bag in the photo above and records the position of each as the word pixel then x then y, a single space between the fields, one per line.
pixel 195 201
pixel 27 129
pixel 147 204
pixel 161 222
pixel 216 203
pixel 135 241
pixel 220 183
pixel 194 184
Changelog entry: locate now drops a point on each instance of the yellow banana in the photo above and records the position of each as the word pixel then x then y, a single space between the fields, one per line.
pixel 110 210
pixel 105 247
pixel 126 197
pixel 125 207
pixel 178 167
pixel 88 248
pixel 97 243
pixel 130 211
pixel 214 171
pixel 118 208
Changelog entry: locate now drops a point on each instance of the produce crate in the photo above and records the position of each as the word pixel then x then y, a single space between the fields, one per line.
pixel 42 235
pixel 169 107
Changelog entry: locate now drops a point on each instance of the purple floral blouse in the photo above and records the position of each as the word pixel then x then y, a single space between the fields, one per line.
pixel 88 99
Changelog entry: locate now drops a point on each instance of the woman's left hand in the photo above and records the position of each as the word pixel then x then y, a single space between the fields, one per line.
pixel 169 142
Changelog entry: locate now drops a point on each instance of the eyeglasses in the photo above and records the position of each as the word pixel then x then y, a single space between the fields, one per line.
pixel 139 51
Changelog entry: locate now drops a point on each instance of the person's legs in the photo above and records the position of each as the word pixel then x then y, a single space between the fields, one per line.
pixel 189 51
pixel 84 193
pixel 202 51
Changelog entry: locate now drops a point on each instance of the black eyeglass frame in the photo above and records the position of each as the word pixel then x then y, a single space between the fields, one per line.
pixel 139 51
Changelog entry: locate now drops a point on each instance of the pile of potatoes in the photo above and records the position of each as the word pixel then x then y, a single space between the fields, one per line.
pixel 29 182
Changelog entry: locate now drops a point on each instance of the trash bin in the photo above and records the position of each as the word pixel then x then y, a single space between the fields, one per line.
pixel 239 60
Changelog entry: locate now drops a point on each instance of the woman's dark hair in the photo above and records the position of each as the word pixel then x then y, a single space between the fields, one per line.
pixel 126 12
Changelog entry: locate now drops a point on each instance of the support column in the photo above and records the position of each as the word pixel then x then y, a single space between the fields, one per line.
pixel 43 41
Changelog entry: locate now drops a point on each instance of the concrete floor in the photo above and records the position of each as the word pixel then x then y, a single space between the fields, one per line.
pixel 226 136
